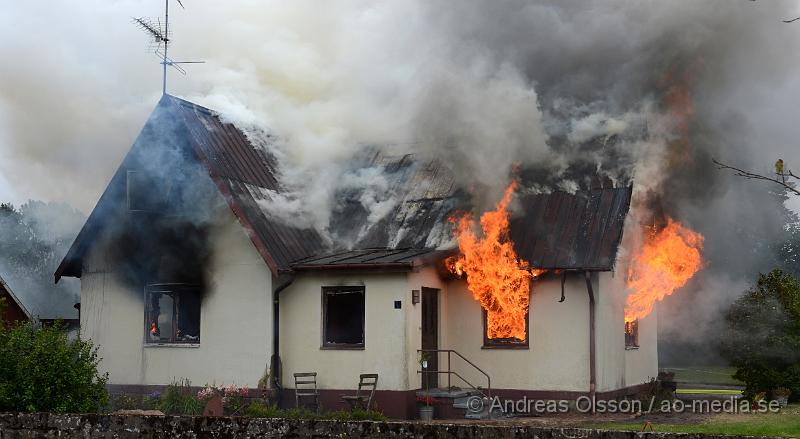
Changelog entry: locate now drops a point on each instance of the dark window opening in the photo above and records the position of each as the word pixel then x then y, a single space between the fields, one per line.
pixel 507 343
pixel 632 334
pixel 172 313
pixel 143 193
pixel 343 317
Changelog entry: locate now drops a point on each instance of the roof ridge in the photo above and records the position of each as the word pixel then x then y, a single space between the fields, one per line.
pixel 190 104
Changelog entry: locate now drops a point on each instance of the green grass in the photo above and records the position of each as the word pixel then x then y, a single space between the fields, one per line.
pixel 785 423
pixel 704 375
pixel 708 391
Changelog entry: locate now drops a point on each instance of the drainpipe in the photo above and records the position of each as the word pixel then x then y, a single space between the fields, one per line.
pixel 592 369
pixel 275 360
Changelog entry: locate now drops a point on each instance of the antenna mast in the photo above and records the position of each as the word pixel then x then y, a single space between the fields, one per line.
pixel 163 37
pixel 166 45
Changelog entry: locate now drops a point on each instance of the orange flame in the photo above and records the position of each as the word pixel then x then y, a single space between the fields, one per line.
pixel 495 276
pixel 665 263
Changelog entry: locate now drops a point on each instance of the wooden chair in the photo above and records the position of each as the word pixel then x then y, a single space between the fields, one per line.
pixel 366 381
pixel 305 386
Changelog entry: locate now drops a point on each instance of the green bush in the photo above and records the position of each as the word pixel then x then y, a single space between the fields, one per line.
pixel 132 402
pixel 763 335
pixel 262 410
pixel 356 415
pixel 41 370
pixel 178 399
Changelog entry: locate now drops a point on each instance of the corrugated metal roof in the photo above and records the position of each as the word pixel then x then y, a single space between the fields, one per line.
pixel 425 194
pixel 382 258
pixel 246 175
pixel 571 231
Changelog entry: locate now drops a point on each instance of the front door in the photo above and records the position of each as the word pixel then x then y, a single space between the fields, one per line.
pixel 430 335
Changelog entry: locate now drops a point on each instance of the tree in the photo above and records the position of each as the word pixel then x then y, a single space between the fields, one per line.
pixel 762 339
pixel 784 177
pixel 33 239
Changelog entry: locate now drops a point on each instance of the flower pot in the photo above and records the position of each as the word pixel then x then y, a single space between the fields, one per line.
pixel 426 413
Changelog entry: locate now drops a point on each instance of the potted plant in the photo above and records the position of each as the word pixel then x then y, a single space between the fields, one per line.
pixel 426 411
pixel 781 394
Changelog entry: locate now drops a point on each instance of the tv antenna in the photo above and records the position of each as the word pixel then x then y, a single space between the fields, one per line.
pixel 160 44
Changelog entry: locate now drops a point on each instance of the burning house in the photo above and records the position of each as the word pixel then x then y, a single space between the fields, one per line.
pixel 187 272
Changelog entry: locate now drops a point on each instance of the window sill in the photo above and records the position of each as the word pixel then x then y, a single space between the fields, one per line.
pixel 631 348
pixel 511 346
pixel 342 348
pixel 172 345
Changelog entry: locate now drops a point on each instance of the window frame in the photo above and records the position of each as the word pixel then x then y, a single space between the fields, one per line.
pixel 632 337
pixel 504 343
pixel 326 290
pixel 173 290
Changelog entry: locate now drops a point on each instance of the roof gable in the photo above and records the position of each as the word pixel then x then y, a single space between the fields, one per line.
pixel 239 171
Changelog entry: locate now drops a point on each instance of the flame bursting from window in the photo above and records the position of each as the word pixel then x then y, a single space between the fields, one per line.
pixel 666 261
pixel 496 277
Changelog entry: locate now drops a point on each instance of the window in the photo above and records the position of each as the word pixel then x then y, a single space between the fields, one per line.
pixel 504 343
pixel 141 192
pixel 343 317
pixel 172 314
pixel 632 334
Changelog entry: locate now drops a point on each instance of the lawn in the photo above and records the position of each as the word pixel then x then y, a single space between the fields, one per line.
pixel 785 423
pixel 704 375
pixel 708 392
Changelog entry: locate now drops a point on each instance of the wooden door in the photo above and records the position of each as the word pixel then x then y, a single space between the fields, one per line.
pixel 430 335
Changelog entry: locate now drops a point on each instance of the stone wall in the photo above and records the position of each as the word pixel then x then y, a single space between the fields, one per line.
pixel 30 425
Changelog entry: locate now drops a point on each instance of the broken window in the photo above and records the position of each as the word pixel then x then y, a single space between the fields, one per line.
pixel 509 343
pixel 172 313
pixel 343 317
pixel 632 334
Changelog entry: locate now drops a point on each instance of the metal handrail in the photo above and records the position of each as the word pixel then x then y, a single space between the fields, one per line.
pixel 450 372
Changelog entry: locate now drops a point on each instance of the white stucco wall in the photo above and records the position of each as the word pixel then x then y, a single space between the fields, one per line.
pixel 617 366
pixel 641 365
pixel 236 315
pixel 610 327
pixel 385 337
pixel 558 353
pixel 236 329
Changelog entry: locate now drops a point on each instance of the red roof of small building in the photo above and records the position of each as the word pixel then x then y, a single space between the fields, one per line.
pixel 14 309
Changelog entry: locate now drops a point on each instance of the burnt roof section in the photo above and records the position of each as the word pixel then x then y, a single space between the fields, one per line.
pixel 243 173
pixel 403 259
pixel 579 231
pixel 426 196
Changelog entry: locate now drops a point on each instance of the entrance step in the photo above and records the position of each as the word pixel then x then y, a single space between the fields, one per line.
pixel 457 403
